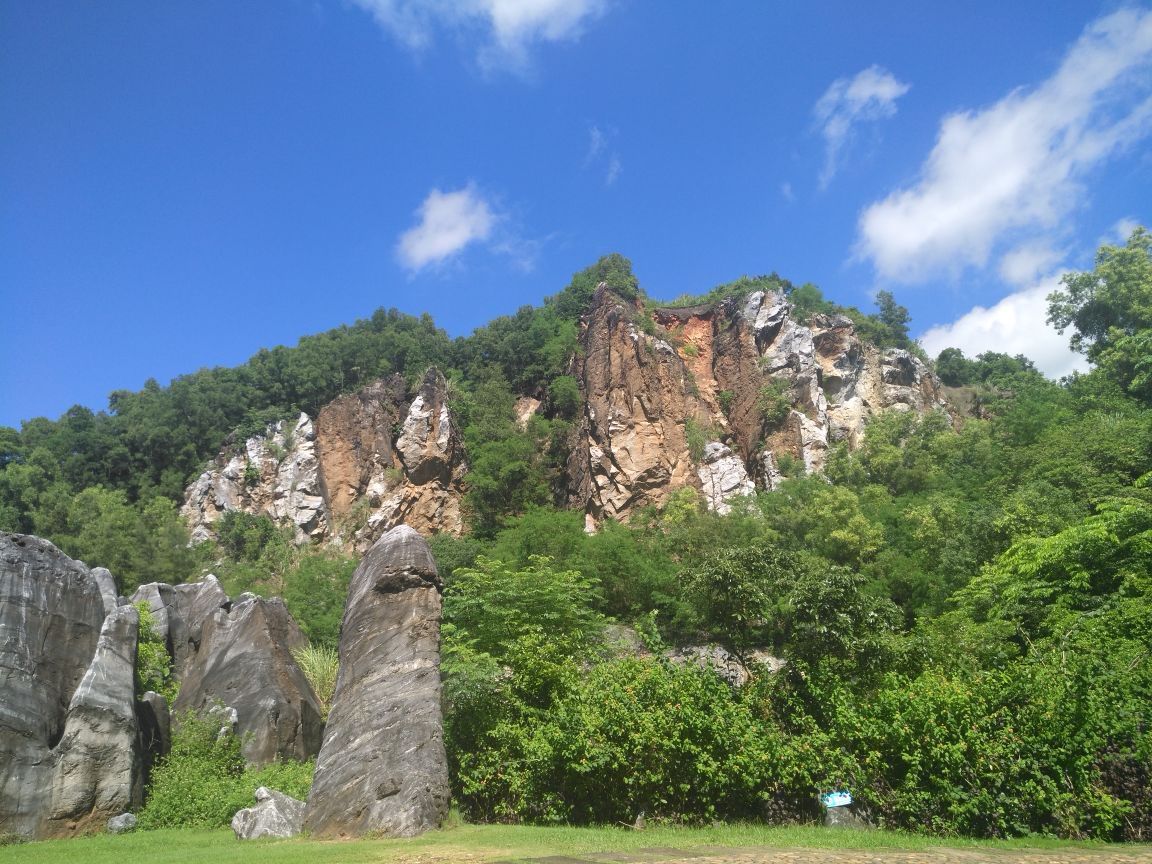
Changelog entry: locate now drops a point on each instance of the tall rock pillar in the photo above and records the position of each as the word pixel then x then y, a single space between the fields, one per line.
pixel 382 766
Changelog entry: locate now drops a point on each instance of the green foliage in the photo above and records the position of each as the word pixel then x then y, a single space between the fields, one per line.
pixel 774 402
pixel 496 605
pixel 1110 308
pixel 203 781
pixel 321 666
pixel 153 665
pixel 614 270
pixel 696 435
pixel 197 785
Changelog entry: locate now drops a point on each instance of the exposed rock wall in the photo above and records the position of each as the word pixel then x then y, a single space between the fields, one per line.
pixel 372 460
pixel 382 767
pixel 244 660
pixel 691 401
pixel 639 397
pixel 68 739
pixel 98 769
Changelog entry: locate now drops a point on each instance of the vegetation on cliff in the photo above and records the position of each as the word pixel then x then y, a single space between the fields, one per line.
pixel 965 610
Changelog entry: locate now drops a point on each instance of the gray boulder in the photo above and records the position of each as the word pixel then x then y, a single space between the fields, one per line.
pixel 122 824
pixel 51 612
pixel 382 767
pixel 244 660
pixel 275 815
pixel 179 613
pixel 97 772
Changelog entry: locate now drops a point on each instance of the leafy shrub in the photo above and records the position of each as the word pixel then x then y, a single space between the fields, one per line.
pixel 774 402
pixel 203 781
pixel 198 784
pixel 696 436
pixel 153 665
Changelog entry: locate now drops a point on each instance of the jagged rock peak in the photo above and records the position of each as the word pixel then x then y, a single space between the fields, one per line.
pixel 371 460
pixel 720 396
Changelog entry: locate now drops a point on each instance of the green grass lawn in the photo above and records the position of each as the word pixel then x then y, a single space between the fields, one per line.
pixel 466 843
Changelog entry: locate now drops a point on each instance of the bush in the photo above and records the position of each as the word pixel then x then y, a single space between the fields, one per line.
pixel 203 781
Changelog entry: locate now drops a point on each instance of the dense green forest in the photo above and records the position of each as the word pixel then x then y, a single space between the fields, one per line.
pixel 965 610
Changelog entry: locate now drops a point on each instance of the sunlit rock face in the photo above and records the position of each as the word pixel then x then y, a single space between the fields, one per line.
pixel 719 397
pixel 383 767
pixel 69 757
pixel 244 660
pixel 371 460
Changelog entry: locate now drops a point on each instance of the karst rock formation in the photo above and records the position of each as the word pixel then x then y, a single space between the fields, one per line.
pixel 721 397
pixel 369 461
pixel 383 767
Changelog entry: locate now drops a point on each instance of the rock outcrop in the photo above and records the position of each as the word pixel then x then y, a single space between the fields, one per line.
pixel 385 462
pixel 98 766
pixel 719 397
pixel 244 660
pixel 275 815
pixel 276 475
pixel 371 460
pixel 179 613
pixel 382 767
pixel 68 739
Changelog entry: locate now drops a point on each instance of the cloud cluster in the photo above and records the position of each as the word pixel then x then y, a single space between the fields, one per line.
pixel 447 223
pixel 870 95
pixel 1011 172
pixel 510 27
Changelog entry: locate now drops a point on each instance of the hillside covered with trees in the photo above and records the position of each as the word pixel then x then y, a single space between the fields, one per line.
pixel 963 605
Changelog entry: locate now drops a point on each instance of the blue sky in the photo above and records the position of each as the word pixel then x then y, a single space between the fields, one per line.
pixel 182 184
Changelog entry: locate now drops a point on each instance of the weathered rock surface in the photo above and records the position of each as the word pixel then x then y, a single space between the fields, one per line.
pixel 276 475
pixel 154 721
pixel 275 815
pixel 385 462
pixel 68 748
pixel 122 824
pixel 382 767
pixel 631 446
pixel 372 460
pixel 732 360
pixel 244 660
pixel 97 772
pixel 179 613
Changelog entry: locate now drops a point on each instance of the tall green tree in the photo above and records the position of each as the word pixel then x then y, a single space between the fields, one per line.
pixel 1110 309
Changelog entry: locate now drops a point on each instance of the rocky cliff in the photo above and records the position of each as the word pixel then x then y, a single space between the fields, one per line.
pixel 720 397
pixel 69 743
pixel 725 398
pixel 369 461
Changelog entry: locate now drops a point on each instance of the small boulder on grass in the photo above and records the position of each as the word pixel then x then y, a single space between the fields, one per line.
pixel 275 815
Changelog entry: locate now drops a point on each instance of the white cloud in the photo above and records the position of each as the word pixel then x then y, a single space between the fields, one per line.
pixel 510 27
pixel 448 222
pixel 601 153
pixel 1015 325
pixel 1014 170
pixel 1122 230
pixel 1025 264
pixel 870 95
pixel 786 192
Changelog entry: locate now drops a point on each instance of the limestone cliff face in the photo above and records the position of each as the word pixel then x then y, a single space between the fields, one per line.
pixel 370 460
pixel 718 397
pixel 69 750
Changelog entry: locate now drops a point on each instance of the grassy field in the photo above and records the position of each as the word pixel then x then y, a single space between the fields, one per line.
pixel 466 843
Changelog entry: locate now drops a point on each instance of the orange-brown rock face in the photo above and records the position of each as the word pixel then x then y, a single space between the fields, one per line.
pixel 749 385
pixel 370 461
pixel 633 445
